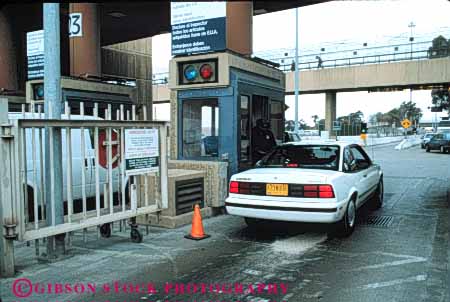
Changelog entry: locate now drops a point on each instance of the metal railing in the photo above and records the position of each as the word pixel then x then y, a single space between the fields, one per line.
pixel 160 78
pixel 99 186
pixel 365 60
pixel 308 62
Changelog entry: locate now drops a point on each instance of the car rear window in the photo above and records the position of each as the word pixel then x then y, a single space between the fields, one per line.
pixel 302 156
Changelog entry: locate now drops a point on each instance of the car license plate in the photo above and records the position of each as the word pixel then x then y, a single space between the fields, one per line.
pixel 277 189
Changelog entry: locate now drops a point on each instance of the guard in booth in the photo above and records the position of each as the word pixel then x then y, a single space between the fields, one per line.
pixel 263 140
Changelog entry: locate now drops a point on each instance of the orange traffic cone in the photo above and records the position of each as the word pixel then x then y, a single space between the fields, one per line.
pixel 197 232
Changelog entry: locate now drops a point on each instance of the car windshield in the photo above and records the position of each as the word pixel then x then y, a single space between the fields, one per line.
pixel 302 156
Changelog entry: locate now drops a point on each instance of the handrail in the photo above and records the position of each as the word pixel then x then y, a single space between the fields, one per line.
pixel 162 78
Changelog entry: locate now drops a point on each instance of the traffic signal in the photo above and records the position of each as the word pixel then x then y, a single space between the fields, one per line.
pixel 364 128
pixel 38 91
pixel 198 72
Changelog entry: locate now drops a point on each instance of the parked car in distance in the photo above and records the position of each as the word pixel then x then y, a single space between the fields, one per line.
pixel 440 141
pixel 425 139
pixel 322 182
pixel 291 136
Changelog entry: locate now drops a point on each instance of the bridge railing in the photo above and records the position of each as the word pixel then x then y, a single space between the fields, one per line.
pixel 370 59
pixel 423 54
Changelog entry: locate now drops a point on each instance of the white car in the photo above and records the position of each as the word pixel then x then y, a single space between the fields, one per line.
pixel 322 182
pixel 79 163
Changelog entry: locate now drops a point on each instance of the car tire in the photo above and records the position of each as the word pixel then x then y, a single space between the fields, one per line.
pixel 422 146
pixel 346 225
pixel 378 198
pixel 253 223
pixel 442 149
pixel 427 148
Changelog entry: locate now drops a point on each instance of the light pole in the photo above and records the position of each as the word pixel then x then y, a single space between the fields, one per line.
pixel 411 25
pixel 296 76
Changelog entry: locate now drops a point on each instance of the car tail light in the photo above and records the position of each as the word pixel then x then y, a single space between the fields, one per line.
pixel 234 187
pixel 326 191
pixel 312 191
pixel 310 194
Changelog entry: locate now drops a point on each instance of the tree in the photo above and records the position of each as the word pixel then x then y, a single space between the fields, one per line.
pixel 352 118
pixel 440 99
pixel 410 111
pixel 393 116
pixel 376 118
pixel 440 48
pixel 356 117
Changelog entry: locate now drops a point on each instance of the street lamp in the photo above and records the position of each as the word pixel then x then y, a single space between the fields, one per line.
pixel 411 25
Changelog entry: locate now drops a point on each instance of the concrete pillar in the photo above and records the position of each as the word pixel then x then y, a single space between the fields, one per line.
pixel 85 51
pixel 330 110
pixel 240 27
pixel 8 72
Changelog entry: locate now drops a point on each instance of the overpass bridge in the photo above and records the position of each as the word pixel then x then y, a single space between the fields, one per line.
pixel 420 74
pixel 379 72
pixel 383 72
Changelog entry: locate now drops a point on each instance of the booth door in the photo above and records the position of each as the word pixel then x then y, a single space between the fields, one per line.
pixel 251 109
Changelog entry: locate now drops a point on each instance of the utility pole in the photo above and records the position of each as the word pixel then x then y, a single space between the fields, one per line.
pixel 53 109
pixel 296 76
pixel 411 25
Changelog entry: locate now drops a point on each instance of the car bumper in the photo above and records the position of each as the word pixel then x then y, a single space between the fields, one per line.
pixel 286 211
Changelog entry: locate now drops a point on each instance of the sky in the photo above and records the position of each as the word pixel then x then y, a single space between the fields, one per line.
pixel 371 21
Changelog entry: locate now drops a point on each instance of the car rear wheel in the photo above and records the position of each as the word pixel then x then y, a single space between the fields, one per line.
pixel 427 148
pixel 346 225
pixel 377 200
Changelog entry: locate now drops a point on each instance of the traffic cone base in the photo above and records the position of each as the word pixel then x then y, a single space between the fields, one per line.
pixel 196 238
pixel 197 232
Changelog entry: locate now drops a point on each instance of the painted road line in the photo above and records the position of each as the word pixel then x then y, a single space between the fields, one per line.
pixel 417 278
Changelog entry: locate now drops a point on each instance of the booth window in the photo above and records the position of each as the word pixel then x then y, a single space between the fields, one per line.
pixel 245 128
pixel 277 120
pixel 200 128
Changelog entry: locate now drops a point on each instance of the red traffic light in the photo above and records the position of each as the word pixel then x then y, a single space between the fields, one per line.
pixel 206 71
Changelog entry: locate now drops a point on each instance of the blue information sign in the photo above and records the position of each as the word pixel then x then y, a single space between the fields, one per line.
pixel 198 27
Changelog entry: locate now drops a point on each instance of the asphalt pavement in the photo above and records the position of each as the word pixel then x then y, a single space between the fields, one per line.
pixel 398 253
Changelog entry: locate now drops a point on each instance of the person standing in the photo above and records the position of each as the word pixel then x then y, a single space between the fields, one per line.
pixel 319 62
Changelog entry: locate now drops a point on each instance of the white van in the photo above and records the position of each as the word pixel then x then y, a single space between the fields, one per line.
pixel 79 163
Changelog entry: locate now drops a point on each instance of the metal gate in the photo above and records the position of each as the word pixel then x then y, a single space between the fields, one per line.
pixel 97 187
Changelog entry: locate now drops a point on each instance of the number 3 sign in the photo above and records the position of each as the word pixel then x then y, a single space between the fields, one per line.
pixel 75 25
